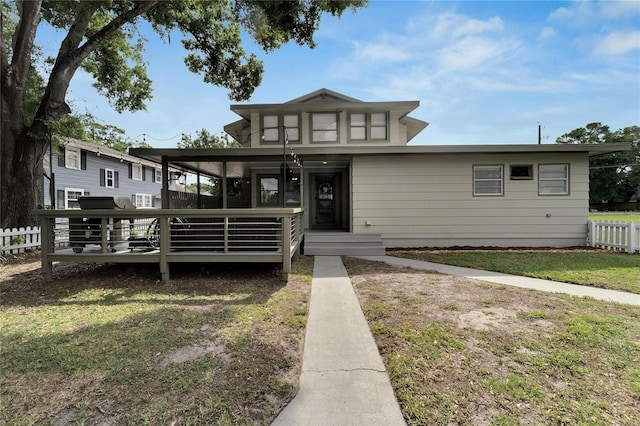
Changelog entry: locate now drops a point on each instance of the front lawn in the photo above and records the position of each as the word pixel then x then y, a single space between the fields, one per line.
pixel 615 217
pixel 463 352
pixel 596 268
pixel 113 345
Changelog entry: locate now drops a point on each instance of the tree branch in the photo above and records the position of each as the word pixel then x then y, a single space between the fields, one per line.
pixel 25 34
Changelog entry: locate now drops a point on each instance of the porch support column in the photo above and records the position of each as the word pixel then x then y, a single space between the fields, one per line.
pixel 224 184
pixel 286 247
pixel 164 195
pixel 47 242
pixel 164 247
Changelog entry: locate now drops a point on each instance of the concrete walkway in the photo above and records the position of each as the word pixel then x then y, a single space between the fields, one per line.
pixel 343 380
pixel 514 280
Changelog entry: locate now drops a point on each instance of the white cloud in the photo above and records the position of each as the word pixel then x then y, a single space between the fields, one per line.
pixel 450 25
pixel 615 9
pixel 382 52
pixel 546 33
pixel 618 43
pixel 580 13
pixel 473 53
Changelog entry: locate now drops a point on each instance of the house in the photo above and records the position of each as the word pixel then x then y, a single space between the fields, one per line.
pixel 80 168
pixel 349 165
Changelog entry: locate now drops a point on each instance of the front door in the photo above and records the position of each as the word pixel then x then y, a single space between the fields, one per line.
pixel 326 201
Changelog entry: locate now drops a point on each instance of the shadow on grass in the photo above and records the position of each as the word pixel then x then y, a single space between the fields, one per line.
pixel 122 283
pixel 119 341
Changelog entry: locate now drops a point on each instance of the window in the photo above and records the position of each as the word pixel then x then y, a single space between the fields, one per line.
pixel 270 126
pixel 522 172
pixel 109 178
pixel 487 180
pixel 324 127
pixel 379 126
pixel 553 179
pixel 269 194
pixel 71 196
pixel 143 200
pixel 157 176
pixel 136 171
pixel 72 158
pixel 358 124
pixel 368 126
pixel 277 128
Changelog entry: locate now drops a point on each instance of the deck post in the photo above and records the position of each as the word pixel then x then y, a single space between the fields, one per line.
pixel 286 247
pixel 165 236
pixel 48 245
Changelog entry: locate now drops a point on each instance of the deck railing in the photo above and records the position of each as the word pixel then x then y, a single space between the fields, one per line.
pixel 165 236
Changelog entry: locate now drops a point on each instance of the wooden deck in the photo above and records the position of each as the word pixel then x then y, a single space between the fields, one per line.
pixel 166 236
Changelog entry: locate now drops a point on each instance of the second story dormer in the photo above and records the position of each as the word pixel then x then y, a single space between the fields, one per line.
pixel 325 118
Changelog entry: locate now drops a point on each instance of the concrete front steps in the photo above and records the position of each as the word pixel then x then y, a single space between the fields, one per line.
pixel 343 244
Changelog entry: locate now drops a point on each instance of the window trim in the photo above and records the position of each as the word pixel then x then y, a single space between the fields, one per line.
pixel 157 175
pixel 106 178
pixel 144 196
pixel 72 149
pixel 135 166
pixel 476 166
pixel 281 129
pixel 312 129
pixel 565 179
pixel 368 127
pixel 66 197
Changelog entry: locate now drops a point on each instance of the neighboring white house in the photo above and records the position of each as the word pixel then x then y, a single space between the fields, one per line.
pixel 348 163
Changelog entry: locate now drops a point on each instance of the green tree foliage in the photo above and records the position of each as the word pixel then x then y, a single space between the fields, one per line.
pixel 613 178
pixel 104 38
pixel 205 139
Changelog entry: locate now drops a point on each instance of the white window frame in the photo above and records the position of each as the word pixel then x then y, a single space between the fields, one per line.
pixel 334 128
pixel 362 125
pixel 71 152
pixel 565 179
pixel 157 176
pixel 477 167
pixel 136 169
pixel 109 182
pixel 67 199
pixel 372 127
pixel 143 200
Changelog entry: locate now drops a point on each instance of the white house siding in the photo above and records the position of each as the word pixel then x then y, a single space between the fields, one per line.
pixel 428 201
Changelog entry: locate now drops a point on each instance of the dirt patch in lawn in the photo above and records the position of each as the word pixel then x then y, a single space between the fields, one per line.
pixel 461 351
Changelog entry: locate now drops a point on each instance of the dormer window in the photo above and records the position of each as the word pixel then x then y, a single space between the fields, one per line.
pixel 368 126
pixel 277 128
pixel 324 127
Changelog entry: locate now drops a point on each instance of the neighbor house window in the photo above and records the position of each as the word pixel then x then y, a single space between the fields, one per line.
pixel 487 180
pixel 324 127
pixel 72 158
pixel 136 171
pixel 277 128
pixel 157 176
pixel 553 179
pixel 71 196
pixel 143 200
pixel 109 178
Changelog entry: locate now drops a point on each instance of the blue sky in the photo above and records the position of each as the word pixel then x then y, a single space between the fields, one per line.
pixel 485 72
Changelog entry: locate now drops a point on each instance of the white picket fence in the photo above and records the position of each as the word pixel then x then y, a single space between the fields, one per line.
pixel 19 240
pixel 621 236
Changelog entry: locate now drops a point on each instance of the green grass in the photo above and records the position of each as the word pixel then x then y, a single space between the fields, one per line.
pixel 618 271
pixel 536 358
pixel 113 345
pixel 617 217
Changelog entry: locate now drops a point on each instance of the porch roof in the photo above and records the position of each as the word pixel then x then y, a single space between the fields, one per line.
pixel 197 159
